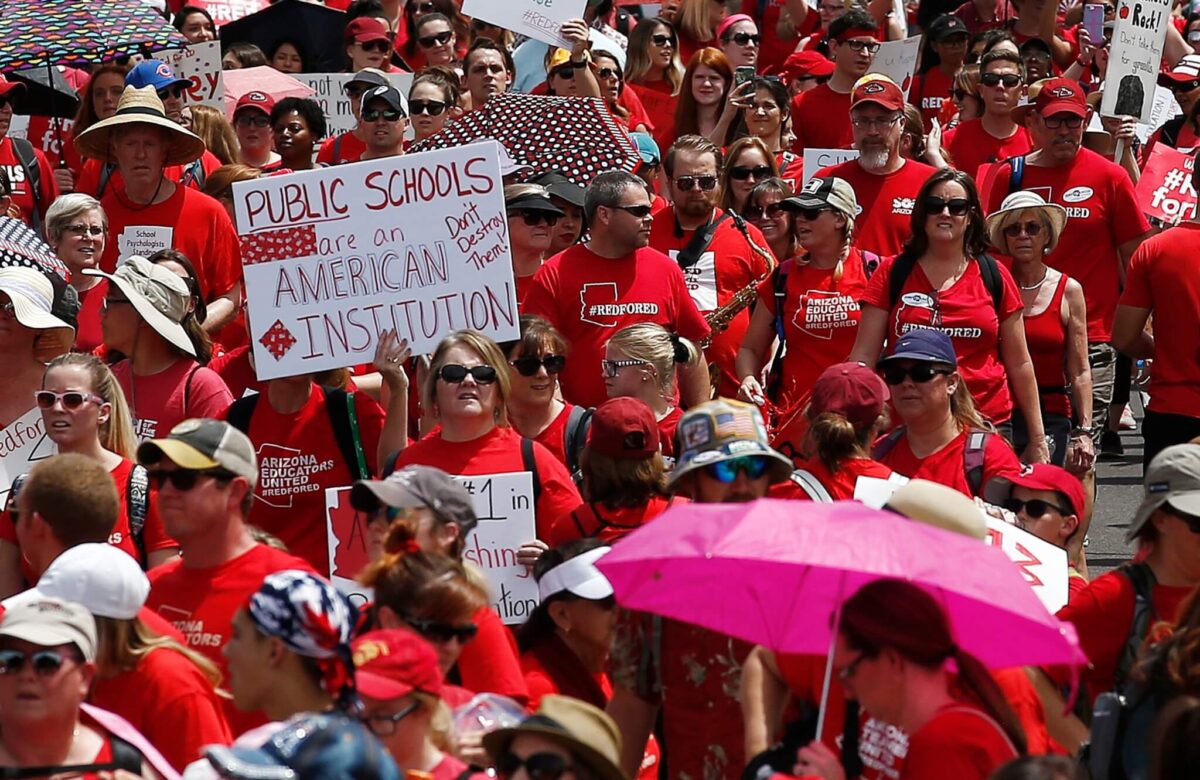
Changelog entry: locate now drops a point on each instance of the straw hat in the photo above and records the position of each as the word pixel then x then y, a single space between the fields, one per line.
pixel 32 297
pixel 140 107
pixel 586 731
pixel 159 296
pixel 1025 200
pixel 935 504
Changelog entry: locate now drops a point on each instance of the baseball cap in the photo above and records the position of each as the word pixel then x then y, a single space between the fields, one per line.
pixel 1173 476
pixel 852 390
pixel 418 486
pixel 534 200
pixel 647 148
pixel 48 621
pixel 391 663
pixel 1039 476
pixel 721 430
pixel 806 63
pixel 310 746
pixel 577 576
pixel 946 26
pixel 103 579
pixel 153 73
pixel 371 77
pixel 255 100
pixel 364 29
pixel 560 186
pixel 388 94
pixel 1060 96
pixel 925 344
pixel 821 192
pixel 878 89
pixel 159 296
pixel 1187 69
pixel 624 429
pixel 202 443
pixel 7 86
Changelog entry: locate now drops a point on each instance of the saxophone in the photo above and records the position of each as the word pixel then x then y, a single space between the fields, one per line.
pixel 718 319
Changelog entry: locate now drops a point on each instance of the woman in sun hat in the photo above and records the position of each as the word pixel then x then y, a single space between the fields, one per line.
pixel 564 734
pixel 30 337
pixel 141 317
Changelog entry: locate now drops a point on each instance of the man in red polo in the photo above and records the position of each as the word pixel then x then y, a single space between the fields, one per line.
pixel 820 116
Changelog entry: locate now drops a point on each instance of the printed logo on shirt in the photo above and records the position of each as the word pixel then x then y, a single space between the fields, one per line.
pixel 1077 194
pixel 916 310
pixel 192 630
pixel 144 429
pixel 144 240
pixel 903 205
pixel 284 472
pixel 823 311
pixel 932 103
pixel 599 306
pixel 882 746
pixel 701 279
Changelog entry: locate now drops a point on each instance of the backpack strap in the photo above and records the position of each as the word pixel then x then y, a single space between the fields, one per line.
pixel 106 172
pixel 579 422
pixel 887 443
pixel 337 148
pixel 1017 177
pixel 871 262
pixel 187 387
pixel 529 463
pixel 124 756
pixel 779 279
pixel 240 411
pixel 989 270
pixel 973 457
pixel 339 405
pixel 690 254
pixel 194 175
pixel 33 174
pixel 1143 580
pixel 808 482
pixel 137 498
pixel 902 268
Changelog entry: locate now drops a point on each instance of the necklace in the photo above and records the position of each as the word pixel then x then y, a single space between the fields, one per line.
pixel 1039 283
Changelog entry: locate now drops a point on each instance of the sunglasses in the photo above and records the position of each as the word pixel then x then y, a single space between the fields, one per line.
pixel 726 471
pixel 375 114
pixel 431 107
pixel 743 172
pixel 443 632
pixel 45 662
pixel 610 73
pixel 742 38
pixel 662 40
pixel 175 92
pixel 609 368
pixel 539 766
pixel 377 45
pixel 641 212
pixel 1033 508
pixel 919 373
pixel 688 183
pixel 441 39
pixel 454 374
pixel 533 217
pixel 71 400
pixel 756 213
pixel 1009 80
pixel 956 206
pixel 529 365
pixel 184 480
pixel 252 120
pixel 1028 228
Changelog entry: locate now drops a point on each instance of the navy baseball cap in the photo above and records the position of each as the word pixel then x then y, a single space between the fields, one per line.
pixel 153 73
pixel 924 344
pixel 309 747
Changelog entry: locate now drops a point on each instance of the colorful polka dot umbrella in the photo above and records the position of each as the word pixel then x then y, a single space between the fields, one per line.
pixel 37 33
pixel 578 137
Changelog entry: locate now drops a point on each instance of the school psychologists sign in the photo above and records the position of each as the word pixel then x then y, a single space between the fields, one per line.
pixel 334 257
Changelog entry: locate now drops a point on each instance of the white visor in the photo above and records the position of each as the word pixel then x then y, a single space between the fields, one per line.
pixel 578 576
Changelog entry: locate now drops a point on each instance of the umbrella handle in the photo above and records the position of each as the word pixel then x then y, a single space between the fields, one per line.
pixel 837 621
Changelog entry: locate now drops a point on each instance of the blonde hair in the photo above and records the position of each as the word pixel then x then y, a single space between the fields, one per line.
pixel 694 19
pixel 122 644
pixel 212 126
pixel 116 433
pixel 658 347
pixel 833 439
pixel 488 351
pixel 962 408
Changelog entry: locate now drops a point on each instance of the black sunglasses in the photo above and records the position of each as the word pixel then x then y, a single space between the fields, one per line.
pixel 755 213
pixel 609 73
pixel 1035 507
pixel 919 373
pixel 431 107
pixel 641 212
pixel 171 92
pixel 45 662
pixel 743 172
pixel 539 766
pixel 443 632
pixel 379 45
pixel 687 183
pixel 662 40
pixel 810 214
pixel 184 480
pixel 529 365
pixel 1009 80
pixel 956 206
pixel 454 373
pixel 534 217
pixel 375 114
pixel 742 38
pixel 429 41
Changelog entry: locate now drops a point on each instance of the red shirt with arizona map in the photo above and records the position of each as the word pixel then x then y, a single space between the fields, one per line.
pixel 589 298
pixel 885 203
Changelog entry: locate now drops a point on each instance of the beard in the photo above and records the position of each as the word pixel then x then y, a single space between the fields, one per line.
pixel 694 208
pixel 874 158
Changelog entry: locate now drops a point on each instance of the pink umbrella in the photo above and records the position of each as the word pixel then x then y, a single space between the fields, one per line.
pixel 263 78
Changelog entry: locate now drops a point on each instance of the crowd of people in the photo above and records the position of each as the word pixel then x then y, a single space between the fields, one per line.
pixel 958 310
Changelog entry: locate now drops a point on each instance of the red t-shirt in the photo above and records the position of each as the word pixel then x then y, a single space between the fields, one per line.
pixel 971 146
pixel 88 335
pixel 947 465
pixel 606 523
pixel 965 312
pixel 499 452
pixel 161 401
pixel 727 266
pixel 553 438
pixel 235 370
pixel 840 485
pixel 774 49
pixel 298 460
pixel 488 663
pixel 820 321
pixel 349 149
pixel 959 743
pixel 659 105
pixel 588 298
pixel 1165 277
pixel 1102 214
pixel 821 120
pixel 22 190
pixel 929 91
pixel 885 203
pixel 201 603
pixel 976 24
pixel 88 179
pixel 50 134
pixel 170 702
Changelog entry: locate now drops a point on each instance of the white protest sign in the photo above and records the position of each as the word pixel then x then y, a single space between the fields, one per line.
pixel 1162 108
pixel 201 64
pixel 504 507
pixel 223 11
pixel 1135 55
pixel 335 257
pixel 816 159
pixel 330 92
pixel 540 19
pixel 1043 565
pixel 349 551
pixel 898 61
pixel 22 444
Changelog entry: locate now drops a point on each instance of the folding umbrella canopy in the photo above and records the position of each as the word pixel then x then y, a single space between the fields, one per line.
pixel 46 93
pixel 263 78
pixel 314 28
pixel 22 247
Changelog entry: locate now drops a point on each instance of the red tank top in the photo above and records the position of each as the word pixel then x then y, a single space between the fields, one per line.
pixel 1047 339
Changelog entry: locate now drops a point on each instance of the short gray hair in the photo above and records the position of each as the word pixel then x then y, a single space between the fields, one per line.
pixel 607 190
pixel 66 208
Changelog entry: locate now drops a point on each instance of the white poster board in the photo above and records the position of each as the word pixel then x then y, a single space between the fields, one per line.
pixel 1163 107
pixel 540 19
pixel 22 444
pixel 223 11
pixel 816 159
pixel 505 508
pixel 334 257
pixel 201 64
pixel 898 61
pixel 1135 54
pixel 330 93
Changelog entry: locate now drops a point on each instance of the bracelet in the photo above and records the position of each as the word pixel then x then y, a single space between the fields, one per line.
pixel 1079 432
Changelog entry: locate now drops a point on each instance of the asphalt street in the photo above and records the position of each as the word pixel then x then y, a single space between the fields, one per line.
pixel 1119 491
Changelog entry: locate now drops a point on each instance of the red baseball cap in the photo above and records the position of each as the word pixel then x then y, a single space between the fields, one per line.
pixel 852 390
pixel 624 429
pixel 256 100
pixel 1061 96
pixel 365 29
pixel 391 663
pixel 7 86
pixel 1040 476
pixel 874 88
pixel 806 63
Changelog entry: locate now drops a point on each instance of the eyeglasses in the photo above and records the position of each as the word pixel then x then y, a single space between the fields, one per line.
pixel 860 46
pixel 756 213
pixel 539 766
pixel 45 663
pixel 1055 122
pixel 455 374
pixel 687 183
pixel 662 40
pixel 387 115
pixel 376 45
pixel 743 38
pixel 431 107
pixel 252 120
pixel 610 73
pixel 743 172
pixel 71 400
pixel 726 471
pixel 609 368
pixel 1028 228
pixel 919 373
pixel 956 206
pixel 184 480
pixel 1009 80
pixel 529 365
pixel 641 212
pixel 385 725
pixel 443 632
pixel 533 217
pixel 108 303
pixel 850 669
pixel 861 122
pixel 440 39
pixel 1035 507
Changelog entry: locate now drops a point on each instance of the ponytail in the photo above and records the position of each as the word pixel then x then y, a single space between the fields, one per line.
pixel 834 439
pixel 980 687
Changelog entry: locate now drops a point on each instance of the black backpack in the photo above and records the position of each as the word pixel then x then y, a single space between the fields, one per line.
pixel 579 422
pixel 33 176
pixel 904 264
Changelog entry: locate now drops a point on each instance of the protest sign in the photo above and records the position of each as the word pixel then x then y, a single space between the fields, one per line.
pixel 504 506
pixel 349 553
pixel 1165 189
pixel 540 19
pixel 223 11
pixel 816 159
pixel 200 63
pixel 1135 54
pixel 898 61
pixel 22 444
pixel 330 94
pixel 1043 565
pixel 335 257
pixel 1163 107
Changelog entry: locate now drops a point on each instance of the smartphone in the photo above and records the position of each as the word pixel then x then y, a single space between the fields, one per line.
pixel 1093 22
pixel 744 73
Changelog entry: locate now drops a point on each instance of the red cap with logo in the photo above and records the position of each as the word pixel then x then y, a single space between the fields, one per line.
pixel 806 63
pixel 391 663
pixel 624 429
pixel 254 99
pixel 874 88
pixel 852 390
pixel 1040 476
pixel 1061 96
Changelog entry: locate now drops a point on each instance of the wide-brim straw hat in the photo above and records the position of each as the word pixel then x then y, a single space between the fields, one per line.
pixel 586 731
pixel 1026 200
pixel 140 107
pixel 32 297
pixel 159 297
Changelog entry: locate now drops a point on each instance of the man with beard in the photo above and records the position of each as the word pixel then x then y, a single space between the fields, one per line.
pixel 885 182
pixel 711 245
pixel 692 673
pixel 1104 222
pixel 993 136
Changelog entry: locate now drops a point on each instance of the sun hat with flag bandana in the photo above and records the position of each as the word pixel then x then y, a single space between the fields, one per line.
pixel 313 619
pixel 722 430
